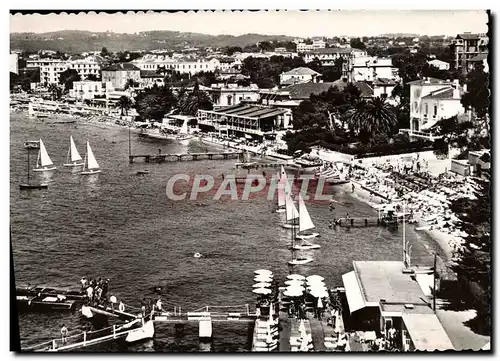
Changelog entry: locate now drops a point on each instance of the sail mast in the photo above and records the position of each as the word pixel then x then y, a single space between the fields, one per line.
pixel 28 166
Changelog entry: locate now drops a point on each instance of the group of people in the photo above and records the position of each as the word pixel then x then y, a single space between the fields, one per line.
pixel 151 305
pixel 96 290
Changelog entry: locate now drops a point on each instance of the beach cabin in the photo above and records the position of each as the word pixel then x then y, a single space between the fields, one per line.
pixel 386 295
pixel 460 166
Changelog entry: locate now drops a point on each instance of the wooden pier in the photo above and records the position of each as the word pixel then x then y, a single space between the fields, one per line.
pixel 177 157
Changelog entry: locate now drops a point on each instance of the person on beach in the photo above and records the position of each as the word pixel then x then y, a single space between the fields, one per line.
pixel 353 188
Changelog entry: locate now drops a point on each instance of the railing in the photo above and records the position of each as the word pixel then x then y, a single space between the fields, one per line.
pixel 417 133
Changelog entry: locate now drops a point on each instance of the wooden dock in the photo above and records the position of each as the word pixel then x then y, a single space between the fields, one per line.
pixel 177 157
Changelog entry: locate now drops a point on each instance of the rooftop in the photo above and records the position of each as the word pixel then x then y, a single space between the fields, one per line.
pixel 121 67
pixel 331 51
pixel 442 93
pixel 304 90
pixel 384 81
pixel 470 36
pixel 364 88
pixel 250 111
pixel 386 281
pixel 301 71
pixel 430 81
pixel 479 57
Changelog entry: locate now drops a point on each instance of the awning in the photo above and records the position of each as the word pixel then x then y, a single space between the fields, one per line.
pixel 426 332
pixel 353 292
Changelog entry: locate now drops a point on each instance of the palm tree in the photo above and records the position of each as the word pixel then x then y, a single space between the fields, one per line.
pixel 55 91
pixel 372 117
pixel 189 103
pixel 124 103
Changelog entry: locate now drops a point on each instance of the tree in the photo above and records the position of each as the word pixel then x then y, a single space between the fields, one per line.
pixel 155 102
pixel 68 77
pixel 124 103
pixel 104 52
pixel 357 44
pixel 371 118
pixel 477 95
pixel 189 103
pixel 131 83
pixel 472 263
pixel 55 91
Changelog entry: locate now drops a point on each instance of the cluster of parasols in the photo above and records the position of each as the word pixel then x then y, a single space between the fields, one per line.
pixel 263 279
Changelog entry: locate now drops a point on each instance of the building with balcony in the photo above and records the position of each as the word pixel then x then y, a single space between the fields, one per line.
pixel 303 47
pixel 433 99
pixel 91 65
pixel 224 95
pixel 468 46
pixel 245 121
pixel 328 57
pixel 318 44
pixel 119 74
pixel 371 68
pixel 87 89
pixel 50 69
pixel 184 64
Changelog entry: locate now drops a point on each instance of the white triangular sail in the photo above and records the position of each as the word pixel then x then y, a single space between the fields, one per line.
pixel 74 155
pixel 43 156
pixel 291 210
pixel 184 128
pixel 91 161
pixel 305 221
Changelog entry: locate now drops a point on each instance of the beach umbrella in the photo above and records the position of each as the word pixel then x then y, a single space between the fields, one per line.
pixel 315 283
pixel 262 291
pixel 295 277
pixel 302 327
pixel 263 271
pixel 293 292
pixel 263 278
pixel 320 303
pixel 262 285
pixel 315 277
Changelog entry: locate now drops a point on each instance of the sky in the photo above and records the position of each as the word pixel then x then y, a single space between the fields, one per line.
pixel 272 22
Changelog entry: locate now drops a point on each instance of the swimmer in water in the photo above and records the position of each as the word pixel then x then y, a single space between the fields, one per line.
pixel 197 255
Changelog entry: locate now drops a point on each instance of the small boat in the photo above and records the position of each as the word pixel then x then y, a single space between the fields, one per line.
pixel 299 261
pixel 73 159
pixel 32 144
pixel 281 191
pixel 305 246
pixel 42 303
pixel 72 295
pixel 424 228
pixel 43 162
pixel 197 255
pixel 290 211
pixel 142 172
pixel 90 165
pixel 145 332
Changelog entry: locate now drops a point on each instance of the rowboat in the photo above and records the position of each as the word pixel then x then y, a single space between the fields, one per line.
pixel 42 303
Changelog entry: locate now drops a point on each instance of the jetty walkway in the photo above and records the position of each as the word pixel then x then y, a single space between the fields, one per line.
pixel 176 157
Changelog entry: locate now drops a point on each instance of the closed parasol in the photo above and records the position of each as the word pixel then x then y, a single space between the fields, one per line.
pixel 295 277
pixel 262 285
pixel 262 291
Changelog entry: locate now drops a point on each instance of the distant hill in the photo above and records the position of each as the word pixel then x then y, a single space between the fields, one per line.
pixel 76 41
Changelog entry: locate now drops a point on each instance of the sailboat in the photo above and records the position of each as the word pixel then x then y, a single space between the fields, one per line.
pixel 305 223
pixel 281 193
pixel 31 145
pixel 183 134
pixel 43 162
pixel 73 158
pixel 291 212
pixel 297 260
pixel 90 165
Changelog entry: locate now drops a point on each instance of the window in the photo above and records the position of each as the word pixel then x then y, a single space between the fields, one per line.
pixel 415 107
pixel 426 109
pixel 435 110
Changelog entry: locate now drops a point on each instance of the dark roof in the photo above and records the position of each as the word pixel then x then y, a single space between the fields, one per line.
pixel 443 93
pixel 479 57
pixel 384 81
pixel 469 36
pixel 251 111
pixel 121 67
pixel 431 81
pixel 364 88
pixel 304 90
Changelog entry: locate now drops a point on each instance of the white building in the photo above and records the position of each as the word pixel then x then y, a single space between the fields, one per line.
pixel 371 68
pixel 303 47
pixel 329 56
pixel 231 94
pixel 433 99
pixel 319 44
pixel 299 75
pixel 14 63
pixel 87 89
pixel 183 64
pixel 90 65
pixel 50 69
pixel 441 65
